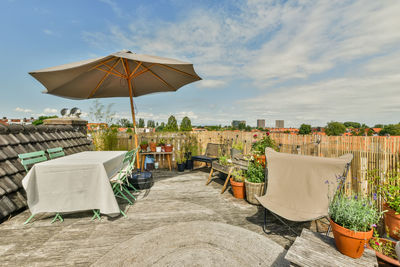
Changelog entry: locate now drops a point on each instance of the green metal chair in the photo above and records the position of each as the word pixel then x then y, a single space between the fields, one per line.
pixel 27 161
pixel 55 152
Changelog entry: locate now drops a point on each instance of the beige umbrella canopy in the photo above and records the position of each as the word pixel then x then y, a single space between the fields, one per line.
pixel 120 74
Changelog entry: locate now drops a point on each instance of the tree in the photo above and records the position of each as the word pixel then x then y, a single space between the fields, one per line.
pixel 40 120
pixel 305 129
pixel 350 124
pixel 172 125
pixel 378 126
pixel 391 129
pixel 141 123
pixel 151 124
pixel 99 113
pixel 125 123
pixel 335 128
pixel 160 127
pixel 242 126
pixel 186 124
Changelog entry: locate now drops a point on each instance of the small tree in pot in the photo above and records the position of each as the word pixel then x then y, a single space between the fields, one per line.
pixel 255 178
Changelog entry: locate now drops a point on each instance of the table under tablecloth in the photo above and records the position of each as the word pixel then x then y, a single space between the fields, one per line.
pixel 76 182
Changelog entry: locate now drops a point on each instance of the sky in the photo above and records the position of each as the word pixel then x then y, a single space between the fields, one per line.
pixel 299 61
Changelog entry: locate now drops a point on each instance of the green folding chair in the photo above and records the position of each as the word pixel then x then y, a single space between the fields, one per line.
pixel 27 161
pixel 55 152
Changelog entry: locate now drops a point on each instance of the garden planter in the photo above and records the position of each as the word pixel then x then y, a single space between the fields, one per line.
pixel 153 147
pixel 392 221
pixel 189 164
pixel 144 147
pixel 181 167
pixel 260 159
pixel 235 152
pixel 141 180
pixel 238 189
pixel 254 189
pixel 382 256
pixel 168 148
pixel 348 242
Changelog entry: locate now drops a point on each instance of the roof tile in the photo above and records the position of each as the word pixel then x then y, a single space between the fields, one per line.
pixel 8 167
pixel 9 151
pixel 3 140
pixel 6 206
pixel 22 138
pixel 17 164
pixel 7 184
pixel 12 139
pixel 18 199
pixel 2 191
pixel 2 156
pixel 38 137
pixel 17 178
pixel 20 149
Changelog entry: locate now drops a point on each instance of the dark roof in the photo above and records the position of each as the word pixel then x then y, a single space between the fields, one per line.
pixel 17 139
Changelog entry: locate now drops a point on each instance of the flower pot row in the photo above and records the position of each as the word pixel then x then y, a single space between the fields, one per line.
pixel 155 148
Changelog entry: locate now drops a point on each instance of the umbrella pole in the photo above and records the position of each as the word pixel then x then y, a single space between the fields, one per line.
pixel 134 122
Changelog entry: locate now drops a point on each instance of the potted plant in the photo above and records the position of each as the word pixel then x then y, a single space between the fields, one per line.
pixel 255 178
pixel 385 249
pixel 237 148
pixel 144 144
pixel 160 145
pixel 237 184
pixel 180 159
pixel 258 148
pixel 352 218
pixel 168 146
pixel 387 187
pixel 153 147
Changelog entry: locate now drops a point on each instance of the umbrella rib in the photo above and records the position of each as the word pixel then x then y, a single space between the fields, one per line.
pixel 101 63
pixel 146 69
pixel 112 73
pixel 162 80
pixel 109 67
pixel 102 80
pixel 171 68
pixel 137 67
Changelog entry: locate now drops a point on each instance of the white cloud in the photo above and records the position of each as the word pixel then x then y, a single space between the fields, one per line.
pixel 24 110
pixel 114 6
pixel 48 32
pixel 211 83
pixel 50 111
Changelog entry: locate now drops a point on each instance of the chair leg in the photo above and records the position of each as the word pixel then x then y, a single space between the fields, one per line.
pixel 290 228
pixel 57 217
pixel 265 222
pixel 123 213
pixel 129 193
pixel 30 218
pixel 120 194
pixel 96 215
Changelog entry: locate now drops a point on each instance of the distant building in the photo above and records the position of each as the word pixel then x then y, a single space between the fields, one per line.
pixel 279 124
pixel 7 121
pixel 260 123
pixel 235 124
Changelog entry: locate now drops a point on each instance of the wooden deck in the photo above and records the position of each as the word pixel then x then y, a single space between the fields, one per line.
pixel 174 198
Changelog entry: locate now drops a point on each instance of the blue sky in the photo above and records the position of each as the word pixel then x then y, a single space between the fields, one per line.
pixel 301 61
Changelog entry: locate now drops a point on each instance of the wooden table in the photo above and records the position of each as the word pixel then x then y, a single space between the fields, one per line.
pixel 315 249
pixel 167 155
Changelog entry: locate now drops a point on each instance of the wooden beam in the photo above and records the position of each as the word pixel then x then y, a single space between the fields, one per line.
pixel 101 81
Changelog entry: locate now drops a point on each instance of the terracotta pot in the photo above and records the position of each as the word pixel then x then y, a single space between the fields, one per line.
pixel 168 148
pixel 392 221
pixel 348 242
pixel 260 159
pixel 153 147
pixel 144 147
pixel 382 256
pixel 238 189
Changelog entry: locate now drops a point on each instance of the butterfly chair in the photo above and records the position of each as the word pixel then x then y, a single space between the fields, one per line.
pixel 298 186
pixel 27 161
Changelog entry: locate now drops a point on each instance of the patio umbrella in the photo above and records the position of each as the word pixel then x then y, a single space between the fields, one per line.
pixel 121 74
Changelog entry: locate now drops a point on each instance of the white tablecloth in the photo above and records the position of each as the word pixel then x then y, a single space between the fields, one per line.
pixel 74 183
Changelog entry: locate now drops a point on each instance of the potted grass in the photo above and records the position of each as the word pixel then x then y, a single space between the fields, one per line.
pixel 352 218
pixel 388 188
pixel 180 159
pixel 144 144
pixel 237 184
pixel 254 182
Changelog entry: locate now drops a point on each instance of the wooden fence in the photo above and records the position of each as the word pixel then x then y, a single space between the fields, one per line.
pixel 370 153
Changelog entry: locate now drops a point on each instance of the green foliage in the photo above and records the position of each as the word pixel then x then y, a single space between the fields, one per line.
pixel 335 128
pixel 144 142
pixel 305 129
pixel 110 139
pixel 129 130
pixel 386 248
pixel 172 125
pixel 161 127
pixel 42 118
pixel 100 113
pixel 141 123
pixel 392 129
pixel 255 173
pixel 162 142
pixel 259 146
pixel 238 145
pixel 224 160
pixel 125 123
pixel 354 212
pixel 238 175
pixel 186 124
pixel 350 124
pixel 387 186
pixel 378 126
pixel 151 124
pixel 242 126
pixel 191 145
